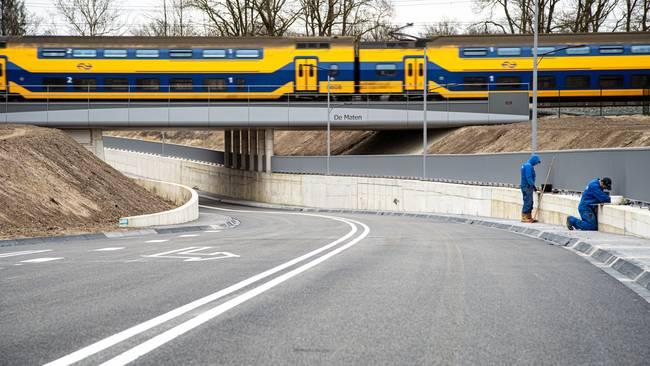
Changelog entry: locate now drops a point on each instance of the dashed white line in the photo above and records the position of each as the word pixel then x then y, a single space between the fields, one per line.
pixel 157 241
pixel 188 235
pixel 109 249
pixel 212 231
pixel 41 260
pixel 24 252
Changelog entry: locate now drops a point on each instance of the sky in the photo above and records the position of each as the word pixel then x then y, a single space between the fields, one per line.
pixel 419 12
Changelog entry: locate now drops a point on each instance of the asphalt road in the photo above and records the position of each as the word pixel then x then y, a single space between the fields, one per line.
pixel 290 288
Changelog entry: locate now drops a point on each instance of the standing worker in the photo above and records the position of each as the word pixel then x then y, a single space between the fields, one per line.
pixel 528 187
pixel 592 196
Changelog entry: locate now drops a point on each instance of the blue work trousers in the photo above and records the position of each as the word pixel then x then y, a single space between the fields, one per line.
pixel 527 193
pixel 589 219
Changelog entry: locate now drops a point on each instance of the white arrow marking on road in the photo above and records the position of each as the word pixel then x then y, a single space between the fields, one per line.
pixel 40 260
pixel 24 252
pixel 193 254
pixel 110 249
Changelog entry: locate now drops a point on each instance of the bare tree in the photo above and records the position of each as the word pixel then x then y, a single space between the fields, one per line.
pixel 516 16
pixel 229 17
pixel 275 16
pixel 366 19
pixel 644 17
pixel 587 15
pixel 173 20
pixel 445 27
pixel 14 18
pixel 90 17
pixel 319 17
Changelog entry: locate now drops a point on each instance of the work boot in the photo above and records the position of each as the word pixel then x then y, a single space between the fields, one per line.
pixel 527 218
pixel 568 224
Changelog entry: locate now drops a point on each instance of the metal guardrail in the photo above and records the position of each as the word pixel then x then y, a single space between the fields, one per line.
pixel 572 169
pixel 166 149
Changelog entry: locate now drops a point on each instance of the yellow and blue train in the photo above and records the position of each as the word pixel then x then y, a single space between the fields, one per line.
pixel 597 65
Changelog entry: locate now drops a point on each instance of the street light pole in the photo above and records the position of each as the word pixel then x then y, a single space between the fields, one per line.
pixel 424 117
pixel 329 78
pixel 533 146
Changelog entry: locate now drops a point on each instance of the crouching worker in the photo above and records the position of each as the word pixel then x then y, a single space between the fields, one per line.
pixel 591 197
pixel 528 187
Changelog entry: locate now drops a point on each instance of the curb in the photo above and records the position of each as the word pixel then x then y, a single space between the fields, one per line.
pixel 625 266
pixel 231 223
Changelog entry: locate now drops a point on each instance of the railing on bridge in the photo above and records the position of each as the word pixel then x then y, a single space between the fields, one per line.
pixel 251 106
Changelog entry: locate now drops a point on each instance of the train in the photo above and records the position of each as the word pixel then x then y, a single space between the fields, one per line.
pixel 595 65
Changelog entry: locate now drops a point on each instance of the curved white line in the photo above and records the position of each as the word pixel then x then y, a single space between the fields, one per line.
pixel 169 335
pixel 151 323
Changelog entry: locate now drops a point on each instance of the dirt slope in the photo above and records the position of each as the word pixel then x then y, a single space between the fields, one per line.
pixel 566 132
pixel 51 185
pixel 286 142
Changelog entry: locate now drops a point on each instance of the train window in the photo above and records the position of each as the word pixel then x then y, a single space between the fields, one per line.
pixel 409 70
pixel 475 82
pixel 311 71
pixel 334 70
pixel 640 48
pixel 577 82
pixel 386 69
pixel 306 45
pixel 640 82
pixel 114 53
pixel 509 51
pixel 578 50
pixel 609 50
pixel 84 53
pixel 247 53
pixel 545 51
pixel 147 53
pixel 53 52
pixel 147 84
pixel 546 82
pixel 85 85
pixel 214 53
pixel 611 81
pixel 475 51
pixel 116 84
pixel 508 82
pixel 214 85
pixel 180 53
pixel 181 84
pixel 54 84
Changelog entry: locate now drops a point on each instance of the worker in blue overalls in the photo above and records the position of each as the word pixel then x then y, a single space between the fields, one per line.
pixel 593 195
pixel 528 187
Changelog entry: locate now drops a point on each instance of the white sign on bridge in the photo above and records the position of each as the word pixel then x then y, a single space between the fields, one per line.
pixel 193 254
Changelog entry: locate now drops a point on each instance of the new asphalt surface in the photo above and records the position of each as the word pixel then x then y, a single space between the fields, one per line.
pixel 286 288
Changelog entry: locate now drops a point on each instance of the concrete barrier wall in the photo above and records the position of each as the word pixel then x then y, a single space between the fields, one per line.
pixel 185 197
pixel 362 193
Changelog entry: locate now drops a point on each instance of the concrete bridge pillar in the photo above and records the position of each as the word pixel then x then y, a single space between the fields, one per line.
pixel 91 139
pixel 236 149
pixel 227 148
pixel 260 150
pixel 252 157
pixel 245 149
pixel 268 151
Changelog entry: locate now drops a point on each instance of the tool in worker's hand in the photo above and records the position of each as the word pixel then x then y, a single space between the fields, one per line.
pixel 541 194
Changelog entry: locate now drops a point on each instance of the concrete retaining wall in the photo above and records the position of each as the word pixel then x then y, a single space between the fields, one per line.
pixel 185 197
pixel 370 193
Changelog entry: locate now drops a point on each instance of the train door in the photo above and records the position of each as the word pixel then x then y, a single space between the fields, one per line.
pixel 413 73
pixel 306 75
pixel 3 75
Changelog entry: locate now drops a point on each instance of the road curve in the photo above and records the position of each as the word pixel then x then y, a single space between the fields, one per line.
pixel 294 288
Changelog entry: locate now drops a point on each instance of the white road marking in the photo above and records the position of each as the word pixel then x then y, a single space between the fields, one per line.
pixel 24 252
pixel 110 249
pixel 193 254
pixel 212 231
pixel 157 241
pixel 188 235
pixel 41 260
pixel 151 323
pixel 157 341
